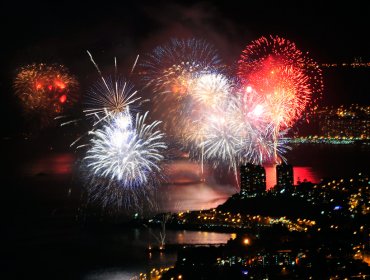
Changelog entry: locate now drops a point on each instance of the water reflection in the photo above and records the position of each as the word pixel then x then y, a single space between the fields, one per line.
pixel 187 188
pixel 190 189
pixel 185 179
pixel 144 261
pixel 111 274
pixel 50 164
pixel 197 237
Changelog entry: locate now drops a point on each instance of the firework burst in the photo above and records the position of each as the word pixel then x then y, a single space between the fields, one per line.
pixel 287 80
pixel 171 71
pixel 45 90
pixel 221 140
pixel 109 97
pixel 124 155
pixel 211 89
pixel 171 67
pixel 263 146
pixel 236 133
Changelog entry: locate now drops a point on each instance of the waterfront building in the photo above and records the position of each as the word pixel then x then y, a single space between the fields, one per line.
pixel 284 176
pixel 252 179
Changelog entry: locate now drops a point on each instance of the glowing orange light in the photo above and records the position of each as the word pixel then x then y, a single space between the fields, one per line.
pixel 177 89
pixel 63 98
pixel 60 85
pixel 38 86
pixel 246 241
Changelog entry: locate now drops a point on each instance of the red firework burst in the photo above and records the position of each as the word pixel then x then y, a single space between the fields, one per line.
pixel 286 80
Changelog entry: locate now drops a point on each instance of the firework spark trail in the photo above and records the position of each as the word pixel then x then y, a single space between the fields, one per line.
pixel 110 195
pixel 220 143
pixel 125 155
pixel 102 103
pixel 262 129
pixel 208 92
pixel 213 136
pixel 263 147
pixel 110 97
pixel 106 98
pixel 133 66
pixel 45 90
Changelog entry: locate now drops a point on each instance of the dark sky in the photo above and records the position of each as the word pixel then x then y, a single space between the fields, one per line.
pixel 62 31
pixel 330 31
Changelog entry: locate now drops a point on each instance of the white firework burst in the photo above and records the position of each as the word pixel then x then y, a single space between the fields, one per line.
pixel 211 89
pixel 125 156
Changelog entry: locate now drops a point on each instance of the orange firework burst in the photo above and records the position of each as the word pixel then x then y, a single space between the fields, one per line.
pixel 170 68
pixel 45 90
pixel 286 80
pixel 171 71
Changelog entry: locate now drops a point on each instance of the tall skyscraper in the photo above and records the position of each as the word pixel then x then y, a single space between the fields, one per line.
pixel 253 179
pixel 284 176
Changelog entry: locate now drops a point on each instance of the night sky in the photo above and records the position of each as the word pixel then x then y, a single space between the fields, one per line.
pixel 61 32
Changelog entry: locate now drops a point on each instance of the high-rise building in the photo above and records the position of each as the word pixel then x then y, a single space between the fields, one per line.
pixel 284 176
pixel 253 179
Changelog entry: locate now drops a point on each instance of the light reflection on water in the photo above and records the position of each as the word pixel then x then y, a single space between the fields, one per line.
pixel 146 261
pixel 51 164
pixel 197 237
pixel 188 189
pixel 111 274
pixel 185 179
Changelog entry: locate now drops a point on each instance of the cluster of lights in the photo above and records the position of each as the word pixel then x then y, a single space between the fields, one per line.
pixel 217 218
pixel 357 63
pixel 156 274
pixel 360 254
pixel 337 140
pixel 353 193
pixel 344 122
pixel 280 258
pixel 351 110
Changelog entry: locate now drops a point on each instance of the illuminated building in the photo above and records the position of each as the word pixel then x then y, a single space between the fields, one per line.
pixel 252 179
pixel 284 176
